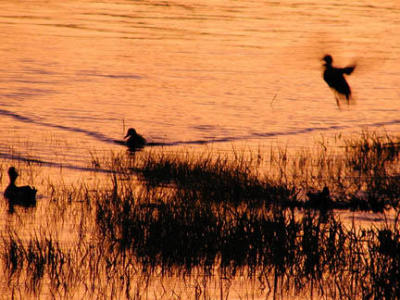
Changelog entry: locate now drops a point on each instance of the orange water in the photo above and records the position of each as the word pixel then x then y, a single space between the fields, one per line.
pixel 76 74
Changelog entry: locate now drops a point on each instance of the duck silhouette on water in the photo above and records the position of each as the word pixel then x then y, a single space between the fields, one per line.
pixel 334 77
pixel 134 141
pixel 320 199
pixel 24 196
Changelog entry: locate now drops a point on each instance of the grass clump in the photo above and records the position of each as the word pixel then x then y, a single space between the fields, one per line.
pixel 40 257
pixel 214 178
pixel 373 160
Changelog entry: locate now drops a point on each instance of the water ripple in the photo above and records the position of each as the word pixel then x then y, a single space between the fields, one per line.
pixel 96 135
pixel 255 135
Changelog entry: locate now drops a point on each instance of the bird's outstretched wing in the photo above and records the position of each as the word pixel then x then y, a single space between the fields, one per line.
pixel 348 70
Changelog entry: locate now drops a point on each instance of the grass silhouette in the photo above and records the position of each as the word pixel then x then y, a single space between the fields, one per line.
pixel 214 219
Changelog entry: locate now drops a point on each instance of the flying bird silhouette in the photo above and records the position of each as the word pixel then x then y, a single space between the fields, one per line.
pixel 334 77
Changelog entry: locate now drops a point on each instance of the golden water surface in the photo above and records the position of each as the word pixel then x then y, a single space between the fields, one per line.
pixel 74 75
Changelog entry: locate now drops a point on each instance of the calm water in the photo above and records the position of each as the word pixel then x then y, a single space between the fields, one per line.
pixel 76 74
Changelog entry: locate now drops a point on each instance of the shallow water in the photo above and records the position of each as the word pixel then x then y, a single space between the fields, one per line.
pixel 76 74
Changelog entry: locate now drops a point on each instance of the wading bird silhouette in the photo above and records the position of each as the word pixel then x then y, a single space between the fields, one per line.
pixel 23 196
pixel 335 79
pixel 134 141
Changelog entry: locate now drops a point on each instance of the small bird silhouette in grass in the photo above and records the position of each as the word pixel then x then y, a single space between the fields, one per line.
pixel 319 199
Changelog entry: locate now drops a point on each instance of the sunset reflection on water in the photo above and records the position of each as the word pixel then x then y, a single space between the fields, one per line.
pixel 219 77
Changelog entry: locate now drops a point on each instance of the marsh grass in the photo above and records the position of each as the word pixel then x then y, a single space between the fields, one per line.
pixel 362 174
pixel 32 262
pixel 374 160
pixel 286 254
pixel 213 219
pixel 215 179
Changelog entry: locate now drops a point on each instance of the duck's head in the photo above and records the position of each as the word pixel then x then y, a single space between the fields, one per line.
pixel 328 60
pixel 131 132
pixel 12 172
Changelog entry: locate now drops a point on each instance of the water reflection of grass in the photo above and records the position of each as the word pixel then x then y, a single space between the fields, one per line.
pixel 287 254
pixel 210 218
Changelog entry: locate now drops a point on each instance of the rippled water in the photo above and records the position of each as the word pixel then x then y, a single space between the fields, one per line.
pixel 76 74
